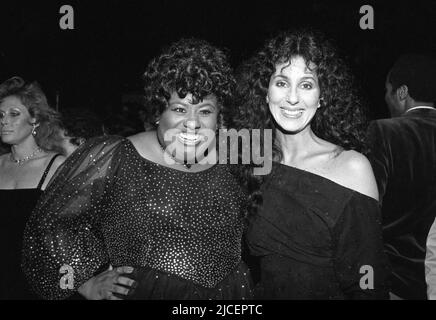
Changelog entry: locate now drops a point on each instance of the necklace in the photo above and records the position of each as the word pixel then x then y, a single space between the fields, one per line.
pixel 23 160
pixel 185 164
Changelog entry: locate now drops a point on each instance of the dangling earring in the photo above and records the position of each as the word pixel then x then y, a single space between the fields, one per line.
pixel 34 129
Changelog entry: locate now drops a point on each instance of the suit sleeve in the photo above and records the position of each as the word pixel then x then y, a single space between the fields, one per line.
pixel 379 157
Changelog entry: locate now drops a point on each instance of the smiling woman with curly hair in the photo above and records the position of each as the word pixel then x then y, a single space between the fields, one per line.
pixel 315 218
pixel 170 224
pixel 189 66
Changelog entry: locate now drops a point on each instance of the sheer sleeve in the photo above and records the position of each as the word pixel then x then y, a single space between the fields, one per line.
pixel 360 262
pixel 430 263
pixel 63 230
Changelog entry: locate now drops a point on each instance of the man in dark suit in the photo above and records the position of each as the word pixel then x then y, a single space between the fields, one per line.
pixel 403 156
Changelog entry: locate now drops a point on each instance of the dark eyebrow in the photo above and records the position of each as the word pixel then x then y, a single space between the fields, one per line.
pixel 206 105
pixel 309 76
pixel 198 105
pixel 10 106
pixel 280 76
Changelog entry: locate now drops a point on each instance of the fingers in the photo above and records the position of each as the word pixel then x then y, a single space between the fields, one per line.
pixel 116 285
pixel 110 296
pixel 126 281
pixel 124 269
pixel 119 289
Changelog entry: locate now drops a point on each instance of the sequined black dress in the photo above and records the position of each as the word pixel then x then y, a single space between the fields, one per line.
pixel 108 205
pixel 313 236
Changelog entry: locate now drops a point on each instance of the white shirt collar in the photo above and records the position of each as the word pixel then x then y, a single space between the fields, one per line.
pixel 419 107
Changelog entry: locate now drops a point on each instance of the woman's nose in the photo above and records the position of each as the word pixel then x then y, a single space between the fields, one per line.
pixel 192 123
pixel 292 96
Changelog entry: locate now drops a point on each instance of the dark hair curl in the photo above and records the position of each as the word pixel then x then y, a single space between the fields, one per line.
pixel 80 125
pixel 34 99
pixel 189 66
pixel 340 120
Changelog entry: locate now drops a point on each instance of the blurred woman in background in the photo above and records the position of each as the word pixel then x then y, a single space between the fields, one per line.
pixel 30 128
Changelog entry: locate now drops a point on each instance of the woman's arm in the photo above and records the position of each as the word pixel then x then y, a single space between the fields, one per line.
pixel 430 263
pixel 360 262
pixel 357 174
pixel 63 239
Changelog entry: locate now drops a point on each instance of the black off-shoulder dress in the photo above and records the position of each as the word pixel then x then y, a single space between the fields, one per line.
pixel 315 240
pixel 181 231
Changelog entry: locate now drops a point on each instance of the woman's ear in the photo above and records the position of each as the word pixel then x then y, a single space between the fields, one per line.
pixel 402 92
pixel 320 103
pixel 34 123
pixel 267 99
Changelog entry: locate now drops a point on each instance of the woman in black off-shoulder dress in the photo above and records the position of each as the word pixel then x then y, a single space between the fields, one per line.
pixel 317 231
pixel 146 217
pixel 315 238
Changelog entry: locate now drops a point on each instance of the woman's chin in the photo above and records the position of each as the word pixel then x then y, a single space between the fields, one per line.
pixel 6 141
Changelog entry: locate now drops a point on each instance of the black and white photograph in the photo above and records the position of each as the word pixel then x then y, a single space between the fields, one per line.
pixel 228 152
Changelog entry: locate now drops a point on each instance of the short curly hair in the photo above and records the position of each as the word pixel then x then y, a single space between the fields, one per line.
pixel 189 66
pixel 34 99
pixel 342 117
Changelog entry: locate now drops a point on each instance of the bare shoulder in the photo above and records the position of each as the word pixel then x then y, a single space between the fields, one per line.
pixel 355 172
pixel 58 161
pixel 355 161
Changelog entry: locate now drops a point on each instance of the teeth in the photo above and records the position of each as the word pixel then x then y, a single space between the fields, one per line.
pixel 293 114
pixel 188 138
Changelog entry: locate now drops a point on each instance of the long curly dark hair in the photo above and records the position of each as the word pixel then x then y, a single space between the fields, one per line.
pixel 340 120
pixel 189 66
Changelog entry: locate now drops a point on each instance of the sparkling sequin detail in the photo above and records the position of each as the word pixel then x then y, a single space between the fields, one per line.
pixel 120 208
pixel 188 224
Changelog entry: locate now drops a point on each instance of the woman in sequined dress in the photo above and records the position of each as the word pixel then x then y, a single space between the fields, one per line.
pixel 317 232
pixel 30 128
pixel 146 202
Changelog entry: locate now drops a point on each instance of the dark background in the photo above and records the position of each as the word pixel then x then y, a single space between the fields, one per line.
pixel 103 58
